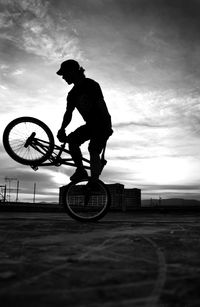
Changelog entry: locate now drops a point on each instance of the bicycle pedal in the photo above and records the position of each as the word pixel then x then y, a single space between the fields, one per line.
pixel 35 168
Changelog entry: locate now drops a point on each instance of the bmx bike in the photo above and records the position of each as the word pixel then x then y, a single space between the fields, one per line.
pixel 29 141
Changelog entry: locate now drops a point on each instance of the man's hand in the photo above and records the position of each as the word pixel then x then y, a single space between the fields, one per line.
pixel 61 135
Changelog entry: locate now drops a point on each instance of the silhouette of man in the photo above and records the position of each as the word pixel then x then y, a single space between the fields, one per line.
pixel 86 96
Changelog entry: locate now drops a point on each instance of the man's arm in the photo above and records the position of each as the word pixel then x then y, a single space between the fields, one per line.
pixel 66 120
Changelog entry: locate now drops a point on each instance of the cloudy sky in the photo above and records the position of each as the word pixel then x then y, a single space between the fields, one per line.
pixel 145 56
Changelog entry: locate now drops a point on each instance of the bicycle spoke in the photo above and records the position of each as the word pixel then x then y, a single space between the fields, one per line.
pixel 28 140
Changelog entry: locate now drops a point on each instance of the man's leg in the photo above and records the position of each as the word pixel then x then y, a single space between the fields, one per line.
pixel 95 164
pixel 97 144
pixel 75 139
pixel 76 154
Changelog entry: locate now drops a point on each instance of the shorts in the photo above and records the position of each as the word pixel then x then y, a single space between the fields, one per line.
pixel 97 137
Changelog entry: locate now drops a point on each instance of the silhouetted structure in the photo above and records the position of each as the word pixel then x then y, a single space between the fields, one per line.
pixel 132 197
pixel 121 199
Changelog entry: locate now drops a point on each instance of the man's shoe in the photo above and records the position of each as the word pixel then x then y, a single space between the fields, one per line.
pixel 79 174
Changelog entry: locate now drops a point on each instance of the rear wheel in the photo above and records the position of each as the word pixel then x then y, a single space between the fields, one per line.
pixel 86 201
pixel 28 140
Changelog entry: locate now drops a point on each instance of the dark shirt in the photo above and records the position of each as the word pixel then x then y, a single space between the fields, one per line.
pixel 87 97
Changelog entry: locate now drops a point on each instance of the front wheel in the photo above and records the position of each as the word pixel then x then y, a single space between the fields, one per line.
pixel 86 201
pixel 28 140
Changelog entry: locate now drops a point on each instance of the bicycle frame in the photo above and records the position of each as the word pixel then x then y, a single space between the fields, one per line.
pixel 55 158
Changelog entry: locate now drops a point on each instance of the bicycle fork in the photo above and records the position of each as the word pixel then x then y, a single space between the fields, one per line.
pixel 56 160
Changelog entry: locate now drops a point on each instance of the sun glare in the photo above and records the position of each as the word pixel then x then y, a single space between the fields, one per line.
pixel 166 170
pixel 60 178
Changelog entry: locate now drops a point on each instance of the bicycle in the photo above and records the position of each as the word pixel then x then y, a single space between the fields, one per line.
pixel 29 141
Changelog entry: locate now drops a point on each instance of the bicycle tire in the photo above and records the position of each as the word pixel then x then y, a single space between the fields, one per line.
pixel 74 200
pixel 16 134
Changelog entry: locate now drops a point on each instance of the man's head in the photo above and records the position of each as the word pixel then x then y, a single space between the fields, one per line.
pixel 70 70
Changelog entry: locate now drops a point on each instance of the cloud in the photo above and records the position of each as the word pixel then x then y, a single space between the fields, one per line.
pixel 144 54
pixel 143 124
pixel 3 87
pixel 18 72
pixel 32 26
pixel 45 180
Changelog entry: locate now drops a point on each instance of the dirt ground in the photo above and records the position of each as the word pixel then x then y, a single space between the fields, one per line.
pixel 126 259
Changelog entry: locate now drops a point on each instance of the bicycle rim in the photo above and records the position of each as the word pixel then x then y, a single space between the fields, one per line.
pixel 86 201
pixel 16 135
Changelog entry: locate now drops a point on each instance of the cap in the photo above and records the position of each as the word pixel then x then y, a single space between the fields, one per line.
pixel 68 65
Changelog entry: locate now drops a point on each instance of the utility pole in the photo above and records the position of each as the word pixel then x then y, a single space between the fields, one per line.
pixel 34 190
pixel 17 193
pixel 3 193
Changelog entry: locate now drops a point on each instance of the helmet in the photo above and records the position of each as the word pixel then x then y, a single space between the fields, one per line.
pixel 68 65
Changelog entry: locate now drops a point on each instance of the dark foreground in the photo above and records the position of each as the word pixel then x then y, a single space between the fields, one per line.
pixel 136 259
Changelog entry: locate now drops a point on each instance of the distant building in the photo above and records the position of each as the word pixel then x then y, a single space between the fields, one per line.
pixel 132 198
pixel 121 199
pixel 117 195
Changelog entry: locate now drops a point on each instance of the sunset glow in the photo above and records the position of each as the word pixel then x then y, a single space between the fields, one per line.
pixel 144 54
